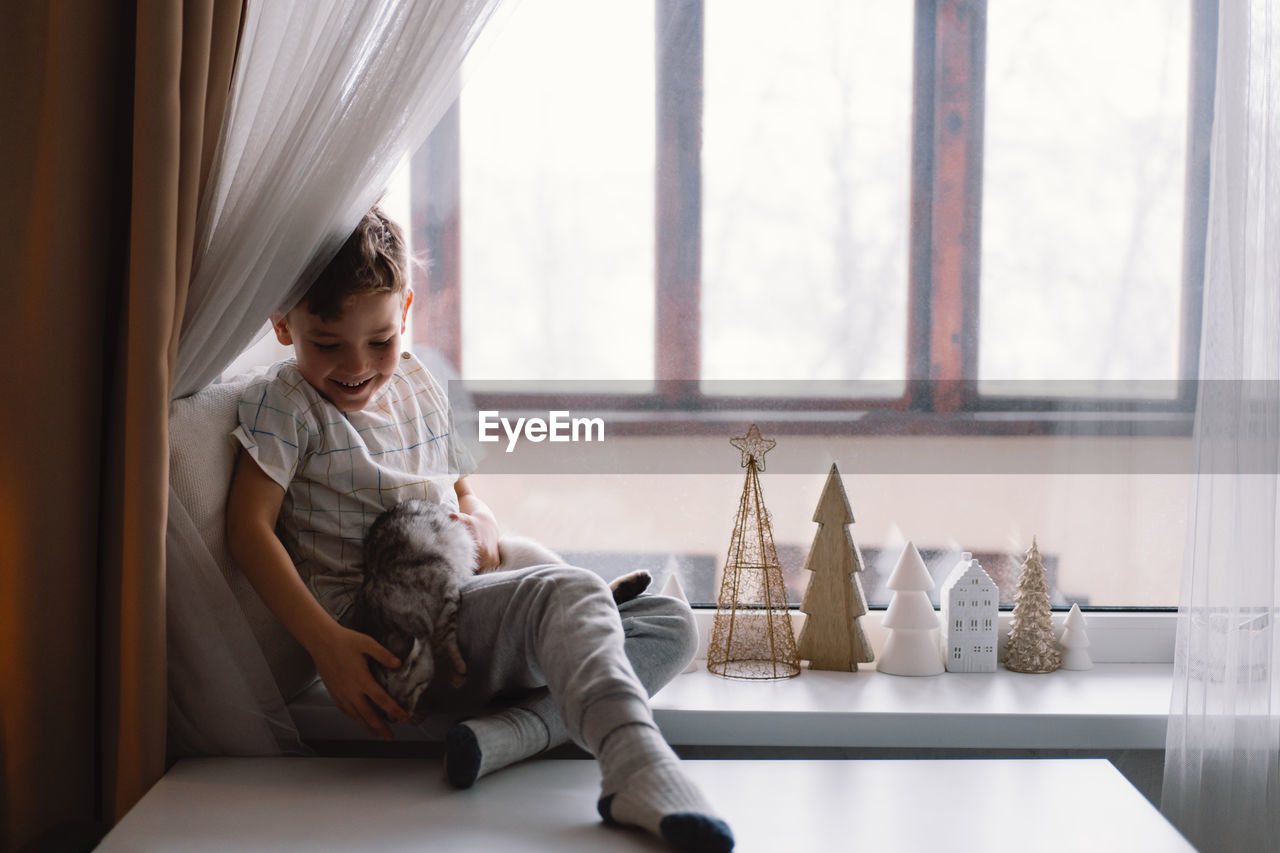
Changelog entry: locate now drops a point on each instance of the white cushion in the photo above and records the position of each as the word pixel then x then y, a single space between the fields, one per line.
pixel 202 456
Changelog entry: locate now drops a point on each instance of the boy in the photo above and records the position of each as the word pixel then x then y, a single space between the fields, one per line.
pixel 351 426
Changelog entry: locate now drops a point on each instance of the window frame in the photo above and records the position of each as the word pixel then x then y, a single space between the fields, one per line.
pixel 940 395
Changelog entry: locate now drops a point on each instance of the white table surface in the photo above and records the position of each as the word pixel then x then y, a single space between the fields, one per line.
pixel 311 804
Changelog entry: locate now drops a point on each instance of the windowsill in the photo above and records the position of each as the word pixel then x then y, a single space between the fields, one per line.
pixel 1112 706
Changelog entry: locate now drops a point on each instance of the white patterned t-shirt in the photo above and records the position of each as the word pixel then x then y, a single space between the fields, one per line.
pixel 340 471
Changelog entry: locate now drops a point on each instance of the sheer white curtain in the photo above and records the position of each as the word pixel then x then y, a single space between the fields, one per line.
pixel 327 96
pixel 1222 765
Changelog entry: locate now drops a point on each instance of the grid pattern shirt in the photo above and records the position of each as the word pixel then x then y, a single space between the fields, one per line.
pixel 340 471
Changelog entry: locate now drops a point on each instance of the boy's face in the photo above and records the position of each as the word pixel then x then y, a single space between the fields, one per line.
pixel 350 358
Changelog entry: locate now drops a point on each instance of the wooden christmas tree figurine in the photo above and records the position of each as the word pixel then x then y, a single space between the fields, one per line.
pixel 832 636
pixel 1032 644
pixel 1075 641
pixel 751 635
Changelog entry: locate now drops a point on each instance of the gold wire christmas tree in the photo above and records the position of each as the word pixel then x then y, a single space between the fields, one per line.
pixel 751 636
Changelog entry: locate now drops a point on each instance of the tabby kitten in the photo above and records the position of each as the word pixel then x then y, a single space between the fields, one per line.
pixel 416 559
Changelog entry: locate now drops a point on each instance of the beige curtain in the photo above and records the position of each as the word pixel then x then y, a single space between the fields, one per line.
pixel 107 125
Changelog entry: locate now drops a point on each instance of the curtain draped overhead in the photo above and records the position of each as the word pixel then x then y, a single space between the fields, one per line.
pixel 1222 763
pixel 326 99
pixel 328 96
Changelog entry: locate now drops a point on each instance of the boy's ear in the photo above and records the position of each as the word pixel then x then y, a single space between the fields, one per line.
pixel 404 314
pixel 280 323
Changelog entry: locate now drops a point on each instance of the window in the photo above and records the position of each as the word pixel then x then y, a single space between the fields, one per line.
pixel 965 206
pixel 941 222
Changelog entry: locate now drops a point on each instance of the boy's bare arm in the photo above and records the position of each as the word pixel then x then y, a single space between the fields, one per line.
pixel 484 527
pixel 339 653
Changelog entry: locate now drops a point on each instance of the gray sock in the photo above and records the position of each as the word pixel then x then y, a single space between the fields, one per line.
pixel 475 748
pixel 645 786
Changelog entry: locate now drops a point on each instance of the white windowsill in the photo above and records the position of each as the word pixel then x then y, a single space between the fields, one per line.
pixel 1112 706
pixel 1122 703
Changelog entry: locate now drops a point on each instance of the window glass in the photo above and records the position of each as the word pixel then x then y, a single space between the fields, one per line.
pixel 557 151
pixel 1082 208
pixel 806 156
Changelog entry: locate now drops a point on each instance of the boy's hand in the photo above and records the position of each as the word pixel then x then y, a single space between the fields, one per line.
pixel 340 660
pixel 484 529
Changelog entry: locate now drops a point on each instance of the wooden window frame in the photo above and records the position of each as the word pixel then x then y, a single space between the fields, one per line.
pixel 940 394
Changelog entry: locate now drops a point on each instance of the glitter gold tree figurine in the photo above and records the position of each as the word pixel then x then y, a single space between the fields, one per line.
pixel 751 636
pixel 832 636
pixel 1032 644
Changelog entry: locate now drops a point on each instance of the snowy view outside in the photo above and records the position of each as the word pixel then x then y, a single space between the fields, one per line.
pixel 806 175
pixel 557 128
pixel 1082 208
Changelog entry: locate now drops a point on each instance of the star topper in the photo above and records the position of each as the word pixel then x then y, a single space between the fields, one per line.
pixel 753 447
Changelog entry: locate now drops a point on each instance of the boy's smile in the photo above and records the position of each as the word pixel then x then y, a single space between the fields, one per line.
pixel 348 359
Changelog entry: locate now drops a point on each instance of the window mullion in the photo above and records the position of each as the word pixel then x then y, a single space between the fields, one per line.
pixel 436 205
pixel 1203 80
pixel 956 201
pixel 678 204
pixel 920 274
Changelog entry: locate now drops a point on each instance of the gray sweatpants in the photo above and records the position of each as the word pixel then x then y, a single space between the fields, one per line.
pixel 551 639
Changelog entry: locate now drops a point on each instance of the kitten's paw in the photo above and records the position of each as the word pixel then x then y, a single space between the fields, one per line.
pixel 630 585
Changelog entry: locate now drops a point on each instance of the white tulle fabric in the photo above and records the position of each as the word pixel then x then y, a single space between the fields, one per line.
pixel 1222 766
pixel 327 97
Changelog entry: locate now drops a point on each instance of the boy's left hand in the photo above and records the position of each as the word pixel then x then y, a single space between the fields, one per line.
pixel 484 529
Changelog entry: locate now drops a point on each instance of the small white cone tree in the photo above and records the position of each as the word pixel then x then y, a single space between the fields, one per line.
pixel 1075 642
pixel 912 647
pixel 673 589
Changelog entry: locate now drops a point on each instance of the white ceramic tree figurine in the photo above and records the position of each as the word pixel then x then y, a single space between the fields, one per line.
pixel 832 637
pixel 1075 641
pixel 673 589
pixel 1032 644
pixel 912 647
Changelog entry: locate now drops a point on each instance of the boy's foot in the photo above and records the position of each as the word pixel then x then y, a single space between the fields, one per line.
pixel 478 747
pixel 645 786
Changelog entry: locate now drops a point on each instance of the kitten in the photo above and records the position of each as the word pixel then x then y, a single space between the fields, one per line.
pixel 416 559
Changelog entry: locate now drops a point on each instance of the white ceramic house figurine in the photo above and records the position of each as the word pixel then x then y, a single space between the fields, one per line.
pixel 1075 642
pixel 912 645
pixel 970 617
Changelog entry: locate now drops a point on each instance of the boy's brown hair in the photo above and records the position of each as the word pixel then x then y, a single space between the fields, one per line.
pixel 373 260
